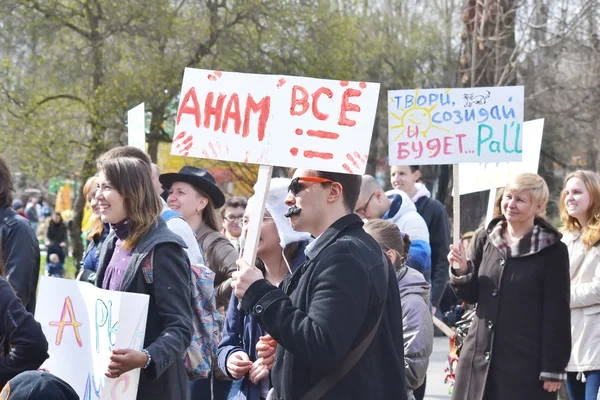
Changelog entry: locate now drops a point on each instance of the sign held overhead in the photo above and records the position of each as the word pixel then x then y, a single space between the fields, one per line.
pixel 451 126
pixel 276 120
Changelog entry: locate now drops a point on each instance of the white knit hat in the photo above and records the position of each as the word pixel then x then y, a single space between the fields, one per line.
pixel 277 208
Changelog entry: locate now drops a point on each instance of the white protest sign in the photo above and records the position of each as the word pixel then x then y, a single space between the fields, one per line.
pixel 83 324
pixel 451 126
pixel 276 120
pixel 479 177
pixel 136 127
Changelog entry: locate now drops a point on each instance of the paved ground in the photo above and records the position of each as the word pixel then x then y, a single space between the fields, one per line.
pixel 436 388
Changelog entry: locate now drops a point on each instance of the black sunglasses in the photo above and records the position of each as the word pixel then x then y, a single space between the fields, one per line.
pixel 296 188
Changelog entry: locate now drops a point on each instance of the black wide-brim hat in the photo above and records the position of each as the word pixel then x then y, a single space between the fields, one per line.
pixel 200 178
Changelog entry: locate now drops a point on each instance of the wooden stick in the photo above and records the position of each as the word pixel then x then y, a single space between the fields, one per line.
pixel 258 209
pixel 456 205
pixel 491 204
pixel 446 330
pixel 456 210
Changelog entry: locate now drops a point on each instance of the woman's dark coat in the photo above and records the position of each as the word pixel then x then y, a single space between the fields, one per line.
pixel 169 325
pixel 522 328
pixel 23 345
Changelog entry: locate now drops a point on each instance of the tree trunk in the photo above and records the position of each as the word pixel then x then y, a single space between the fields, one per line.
pixel 486 61
pixel 97 144
pixel 153 142
pixel 88 170
pixel 155 135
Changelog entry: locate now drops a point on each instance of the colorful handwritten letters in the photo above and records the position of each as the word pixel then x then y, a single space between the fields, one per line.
pixel 449 126
pixel 83 324
pixel 478 177
pixel 276 120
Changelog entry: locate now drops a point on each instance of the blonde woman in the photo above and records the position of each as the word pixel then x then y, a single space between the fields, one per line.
pixel 95 236
pixel 580 213
pixel 193 193
pixel 518 274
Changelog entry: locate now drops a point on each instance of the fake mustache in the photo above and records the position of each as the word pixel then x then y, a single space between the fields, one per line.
pixel 293 211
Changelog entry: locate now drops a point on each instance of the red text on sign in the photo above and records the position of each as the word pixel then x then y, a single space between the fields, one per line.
pixel 232 111
pixel 447 145
pixel 301 103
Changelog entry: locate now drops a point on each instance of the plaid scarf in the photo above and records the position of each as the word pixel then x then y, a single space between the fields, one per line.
pixel 542 236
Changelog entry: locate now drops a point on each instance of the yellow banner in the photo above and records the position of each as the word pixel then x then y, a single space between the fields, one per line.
pixel 234 179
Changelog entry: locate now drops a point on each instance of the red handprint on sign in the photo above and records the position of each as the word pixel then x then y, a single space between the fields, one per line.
pixel 184 142
pixel 357 160
pixel 215 150
pixel 217 74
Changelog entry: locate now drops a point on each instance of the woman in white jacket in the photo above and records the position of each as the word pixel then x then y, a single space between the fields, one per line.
pixel 580 212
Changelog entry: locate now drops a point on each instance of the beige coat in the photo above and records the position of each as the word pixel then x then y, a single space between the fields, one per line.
pixel 585 304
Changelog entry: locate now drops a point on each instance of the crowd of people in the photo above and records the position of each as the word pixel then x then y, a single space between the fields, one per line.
pixel 341 299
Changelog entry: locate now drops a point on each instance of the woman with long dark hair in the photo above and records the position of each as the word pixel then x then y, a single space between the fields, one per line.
pixel 141 255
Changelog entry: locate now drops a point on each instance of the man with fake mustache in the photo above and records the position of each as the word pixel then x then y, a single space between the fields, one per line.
pixel 338 319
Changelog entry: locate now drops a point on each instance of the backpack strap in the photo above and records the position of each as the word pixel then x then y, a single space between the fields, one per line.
pixel 168 214
pixel 147 268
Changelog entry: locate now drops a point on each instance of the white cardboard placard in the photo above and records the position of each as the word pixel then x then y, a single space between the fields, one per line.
pixel 136 127
pixel 451 126
pixel 276 120
pixel 83 324
pixel 479 177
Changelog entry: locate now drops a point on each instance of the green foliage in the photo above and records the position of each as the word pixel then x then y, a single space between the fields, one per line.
pixel 72 69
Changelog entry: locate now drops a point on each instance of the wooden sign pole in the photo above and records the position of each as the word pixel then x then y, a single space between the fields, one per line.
pixel 491 204
pixel 456 207
pixel 256 217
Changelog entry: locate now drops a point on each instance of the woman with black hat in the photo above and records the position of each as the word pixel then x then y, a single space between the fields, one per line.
pixel 194 194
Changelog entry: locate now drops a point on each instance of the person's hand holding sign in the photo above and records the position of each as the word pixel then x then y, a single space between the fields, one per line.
pixel 244 277
pixel 125 360
pixel 457 260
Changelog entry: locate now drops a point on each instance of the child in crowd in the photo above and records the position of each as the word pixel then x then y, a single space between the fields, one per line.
pixel 55 268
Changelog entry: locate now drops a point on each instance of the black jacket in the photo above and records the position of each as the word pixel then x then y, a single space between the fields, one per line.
pixel 435 216
pixel 57 233
pixel 334 301
pixel 20 333
pixel 21 254
pixel 169 326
